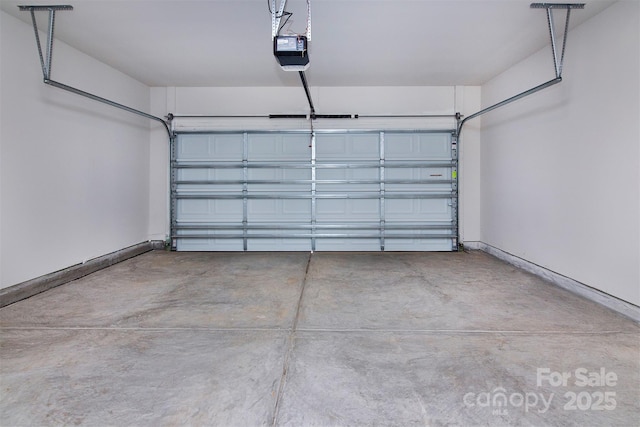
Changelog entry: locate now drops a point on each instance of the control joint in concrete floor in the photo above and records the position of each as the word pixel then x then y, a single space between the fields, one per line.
pixel 327 339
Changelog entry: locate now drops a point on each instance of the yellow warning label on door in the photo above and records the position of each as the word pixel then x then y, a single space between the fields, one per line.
pixel 454 174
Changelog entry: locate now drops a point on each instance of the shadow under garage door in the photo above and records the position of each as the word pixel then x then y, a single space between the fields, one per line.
pixel 314 191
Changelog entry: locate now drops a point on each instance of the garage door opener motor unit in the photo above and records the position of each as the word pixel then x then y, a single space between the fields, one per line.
pixel 291 52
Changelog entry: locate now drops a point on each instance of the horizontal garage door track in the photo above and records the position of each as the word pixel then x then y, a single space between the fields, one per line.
pixel 322 339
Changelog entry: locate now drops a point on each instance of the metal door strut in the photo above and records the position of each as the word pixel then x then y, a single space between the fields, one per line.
pixel 46 59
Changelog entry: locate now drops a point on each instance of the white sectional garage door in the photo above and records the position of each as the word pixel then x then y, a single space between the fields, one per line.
pixel 320 191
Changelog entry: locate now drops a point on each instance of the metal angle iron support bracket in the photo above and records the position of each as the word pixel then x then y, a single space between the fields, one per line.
pixel 308 20
pixel 46 60
pixel 382 177
pixel 314 201
pixel 276 18
pixel 454 191
pixel 558 62
pixel 245 190
pixel 173 201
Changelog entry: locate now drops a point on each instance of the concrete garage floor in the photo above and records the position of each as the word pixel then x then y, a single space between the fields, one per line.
pixel 290 339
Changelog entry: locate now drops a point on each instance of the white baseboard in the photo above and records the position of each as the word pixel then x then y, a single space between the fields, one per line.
pixel 623 307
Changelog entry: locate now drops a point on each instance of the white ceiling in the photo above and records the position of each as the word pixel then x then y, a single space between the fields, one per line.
pixel 354 42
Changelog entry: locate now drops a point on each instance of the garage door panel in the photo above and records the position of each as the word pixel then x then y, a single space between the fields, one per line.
pixel 409 210
pixel 346 245
pixel 408 146
pixel 211 147
pixel 278 174
pixel 347 146
pixel 345 189
pixel 409 188
pixel 351 174
pixel 278 147
pixel 279 210
pixel 342 210
pixel 360 174
pixel 227 245
pixel 425 173
pixel 363 190
pixel 424 179
pixel 279 180
pixel 194 181
pixel 349 178
pixel 192 209
pixel 418 244
pixel 276 244
pixel 206 210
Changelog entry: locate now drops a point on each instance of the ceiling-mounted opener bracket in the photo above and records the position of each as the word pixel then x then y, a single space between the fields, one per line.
pixel 558 61
pixel 276 18
pixel 45 59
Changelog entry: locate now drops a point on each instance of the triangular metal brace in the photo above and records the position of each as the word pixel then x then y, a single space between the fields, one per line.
pixel 557 61
pixel 45 61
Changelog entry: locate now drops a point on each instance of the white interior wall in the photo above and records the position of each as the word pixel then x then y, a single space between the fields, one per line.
pixel 74 173
pixel 469 176
pixel 559 170
pixel 327 100
pixel 1 144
